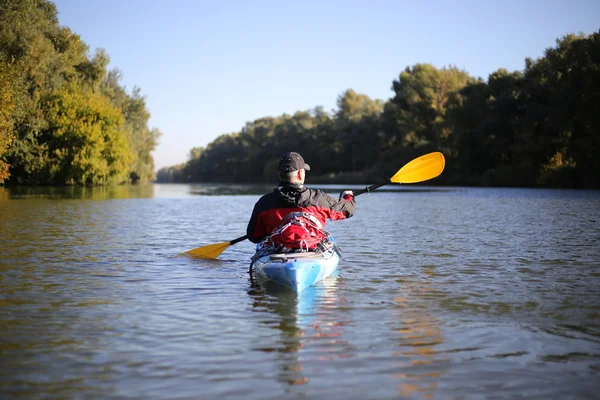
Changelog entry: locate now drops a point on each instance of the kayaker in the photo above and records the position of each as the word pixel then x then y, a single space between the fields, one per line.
pixel 276 213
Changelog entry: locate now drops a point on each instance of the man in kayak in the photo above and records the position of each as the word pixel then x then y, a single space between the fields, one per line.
pixel 293 216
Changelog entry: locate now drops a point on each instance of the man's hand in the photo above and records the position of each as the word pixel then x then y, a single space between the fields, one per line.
pixel 346 195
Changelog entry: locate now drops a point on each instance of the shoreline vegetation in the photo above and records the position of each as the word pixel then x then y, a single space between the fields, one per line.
pixel 534 128
pixel 64 118
pixel 67 120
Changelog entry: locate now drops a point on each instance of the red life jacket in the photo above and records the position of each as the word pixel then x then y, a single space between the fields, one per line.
pixel 271 208
pixel 298 230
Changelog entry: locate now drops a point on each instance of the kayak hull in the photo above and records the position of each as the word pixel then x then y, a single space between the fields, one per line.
pixel 297 271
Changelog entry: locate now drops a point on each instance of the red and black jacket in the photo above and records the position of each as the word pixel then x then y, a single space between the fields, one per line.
pixel 273 207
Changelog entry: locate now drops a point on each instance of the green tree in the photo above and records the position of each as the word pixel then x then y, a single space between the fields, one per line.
pixel 142 139
pixel 53 66
pixel 196 153
pixel 487 124
pixel 418 110
pixel 564 122
pixel 45 56
pixel 359 131
pixel 174 174
pixel 539 127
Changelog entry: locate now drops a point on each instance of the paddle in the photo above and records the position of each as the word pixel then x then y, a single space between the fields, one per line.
pixel 213 250
pixel 420 169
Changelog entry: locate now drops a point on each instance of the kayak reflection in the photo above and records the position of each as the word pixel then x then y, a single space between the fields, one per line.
pixel 302 321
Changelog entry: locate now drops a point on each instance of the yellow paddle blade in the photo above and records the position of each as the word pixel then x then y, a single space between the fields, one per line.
pixel 421 169
pixel 210 251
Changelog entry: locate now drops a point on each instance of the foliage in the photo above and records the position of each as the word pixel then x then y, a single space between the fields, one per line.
pixel 65 119
pixel 7 107
pixel 564 96
pixel 142 139
pixel 420 105
pixel 86 140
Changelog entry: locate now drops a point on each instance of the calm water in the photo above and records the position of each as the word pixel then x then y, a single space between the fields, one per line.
pixel 441 293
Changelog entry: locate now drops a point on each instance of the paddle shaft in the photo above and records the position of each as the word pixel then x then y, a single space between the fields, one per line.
pixel 372 187
pixel 241 238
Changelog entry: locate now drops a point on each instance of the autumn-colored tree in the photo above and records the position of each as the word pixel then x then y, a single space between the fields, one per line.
pixel 87 142
pixel 7 107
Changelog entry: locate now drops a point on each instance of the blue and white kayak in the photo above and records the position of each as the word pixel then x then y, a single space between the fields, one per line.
pixel 297 270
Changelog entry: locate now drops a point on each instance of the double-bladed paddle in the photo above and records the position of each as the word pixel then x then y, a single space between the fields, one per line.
pixel 420 169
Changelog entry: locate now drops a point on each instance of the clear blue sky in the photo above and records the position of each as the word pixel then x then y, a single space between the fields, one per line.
pixel 208 67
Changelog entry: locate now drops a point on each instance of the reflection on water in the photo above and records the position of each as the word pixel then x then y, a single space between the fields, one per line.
pixel 77 192
pixel 303 322
pixel 52 316
pixel 420 339
pixel 284 304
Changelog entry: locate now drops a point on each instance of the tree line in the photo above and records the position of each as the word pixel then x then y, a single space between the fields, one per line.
pixel 64 118
pixel 536 127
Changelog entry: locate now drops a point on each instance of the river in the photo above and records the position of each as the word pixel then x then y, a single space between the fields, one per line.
pixel 442 292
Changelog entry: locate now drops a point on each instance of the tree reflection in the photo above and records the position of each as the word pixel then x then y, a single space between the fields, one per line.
pixel 79 192
pixel 420 339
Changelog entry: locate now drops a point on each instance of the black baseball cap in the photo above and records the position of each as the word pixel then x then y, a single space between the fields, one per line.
pixel 292 162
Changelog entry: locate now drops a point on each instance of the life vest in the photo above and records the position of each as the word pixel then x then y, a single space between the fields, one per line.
pixel 297 231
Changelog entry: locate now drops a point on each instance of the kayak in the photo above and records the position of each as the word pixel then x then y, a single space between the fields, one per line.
pixel 296 270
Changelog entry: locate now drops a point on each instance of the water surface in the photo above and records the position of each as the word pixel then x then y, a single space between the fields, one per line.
pixel 441 293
